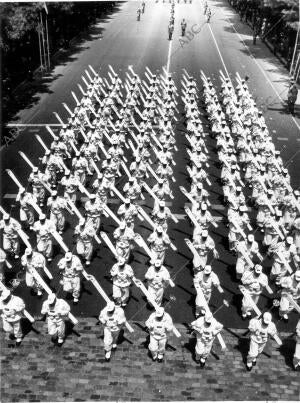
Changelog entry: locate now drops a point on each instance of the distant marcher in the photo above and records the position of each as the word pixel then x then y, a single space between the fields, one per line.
pixel 292 97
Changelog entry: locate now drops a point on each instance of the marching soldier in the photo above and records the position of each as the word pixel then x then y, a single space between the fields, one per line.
pixel 57 204
pixel 93 210
pixel 271 226
pixel 85 234
pixel 203 244
pixel 57 311
pixel 246 248
pixel 37 180
pixel 283 252
pixel 33 260
pixel 12 308
pixel 238 222
pixel 159 324
pixel 124 237
pixel 159 242
pixel 205 280
pixel 9 228
pixel 81 168
pixel 44 229
pixel 122 275
pixel 206 329
pixel 254 281
pixel 160 215
pixel 158 279
pixel 132 190
pixel 260 330
pixel 290 286
pixel 70 267
pixel 26 210
pixel 113 319
pixel 127 213
pixel 70 184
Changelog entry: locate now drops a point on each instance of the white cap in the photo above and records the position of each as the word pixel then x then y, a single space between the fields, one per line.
pixel 250 237
pixel 267 317
pixel 258 268
pixel 111 306
pixel 68 256
pixel 157 263
pixel 297 275
pixel 121 261
pixel 51 298
pixel 81 221
pixel 42 217
pixel 5 216
pixel 35 169
pixel 28 251
pixel 92 197
pixel 204 233
pixel 5 294
pixel 54 193
pixel 207 269
pixel 127 201
pixel 289 240
pixel 162 203
pixel 208 317
pixel 159 229
pixel 122 225
pixel 160 312
pixel 203 206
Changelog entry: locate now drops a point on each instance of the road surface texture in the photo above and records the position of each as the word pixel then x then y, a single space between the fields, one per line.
pixel 120 40
pixel 78 372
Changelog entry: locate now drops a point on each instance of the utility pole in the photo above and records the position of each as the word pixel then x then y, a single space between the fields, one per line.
pixel 40 47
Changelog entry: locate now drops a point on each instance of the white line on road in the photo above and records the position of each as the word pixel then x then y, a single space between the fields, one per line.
pixel 33 124
pixel 169 55
pixel 282 138
pixel 218 49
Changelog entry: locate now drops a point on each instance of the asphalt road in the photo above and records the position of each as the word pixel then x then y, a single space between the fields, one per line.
pixel 120 40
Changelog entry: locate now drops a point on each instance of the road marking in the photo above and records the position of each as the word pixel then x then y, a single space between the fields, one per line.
pixel 282 138
pixel 33 124
pixel 220 54
pixel 261 69
pixel 169 55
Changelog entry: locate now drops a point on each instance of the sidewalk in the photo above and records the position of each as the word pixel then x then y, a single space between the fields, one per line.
pixel 39 371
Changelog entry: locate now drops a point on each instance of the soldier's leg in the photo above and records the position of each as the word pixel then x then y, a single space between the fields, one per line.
pixel 161 348
pixel 16 247
pixel 8 328
pixel 7 246
pixel 252 354
pixel 60 223
pixel 76 288
pixel 48 250
pixel 17 331
pixel 52 328
pixel 61 330
pixel 108 343
pixel 153 347
pixel 117 294
pixel 159 295
pixel 296 358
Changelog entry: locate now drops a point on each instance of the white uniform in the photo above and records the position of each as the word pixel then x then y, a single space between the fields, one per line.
pixel 93 212
pixel 44 237
pixel 290 286
pixel 12 312
pixel 124 239
pixel 57 206
pixel 205 283
pixel 158 245
pixel 56 316
pixel 158 333
pixel 157 282
pixel 259 334
pixel 250 249
pixel 35 261
pixel 113 323
pixel 205 334
pixel 122 279
pixel 10 230
pixel 71 275
pixel 254 285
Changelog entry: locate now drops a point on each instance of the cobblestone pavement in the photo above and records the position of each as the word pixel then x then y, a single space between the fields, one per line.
pixel 41 371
